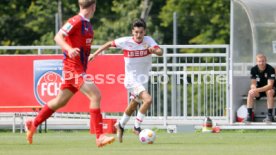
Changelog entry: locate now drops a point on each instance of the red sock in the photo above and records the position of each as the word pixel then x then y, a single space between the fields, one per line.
pixel 96 121
pixel 45 113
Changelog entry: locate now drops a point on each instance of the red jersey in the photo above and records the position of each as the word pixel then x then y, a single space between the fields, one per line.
pixel 78 33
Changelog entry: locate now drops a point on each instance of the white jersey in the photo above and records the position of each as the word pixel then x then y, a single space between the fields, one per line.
pixel 137 59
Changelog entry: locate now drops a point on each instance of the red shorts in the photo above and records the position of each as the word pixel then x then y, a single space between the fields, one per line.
pixel 72 81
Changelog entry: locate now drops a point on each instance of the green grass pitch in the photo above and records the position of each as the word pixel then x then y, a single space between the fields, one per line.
pixel 82 143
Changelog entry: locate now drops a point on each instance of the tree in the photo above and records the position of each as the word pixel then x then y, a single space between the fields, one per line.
pixel 29 22
pixel 32 22
pixel 13 15
pixel 118 22
pixel 200 22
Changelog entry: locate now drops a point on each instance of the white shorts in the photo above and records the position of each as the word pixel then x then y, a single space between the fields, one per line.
pixel 136 90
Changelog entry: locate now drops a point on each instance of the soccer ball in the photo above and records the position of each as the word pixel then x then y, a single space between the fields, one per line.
pixel 147 136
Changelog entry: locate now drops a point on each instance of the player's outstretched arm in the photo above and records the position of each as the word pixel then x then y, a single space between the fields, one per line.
pixel 100 50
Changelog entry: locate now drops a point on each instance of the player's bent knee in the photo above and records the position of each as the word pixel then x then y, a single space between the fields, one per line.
pixel 270 93
pixel 148 100
pixel 96 98
pixel 251 96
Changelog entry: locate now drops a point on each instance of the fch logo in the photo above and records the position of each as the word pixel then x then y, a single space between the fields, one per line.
pixel 47 79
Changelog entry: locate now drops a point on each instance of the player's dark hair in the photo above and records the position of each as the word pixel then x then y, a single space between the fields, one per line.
pixel 139 23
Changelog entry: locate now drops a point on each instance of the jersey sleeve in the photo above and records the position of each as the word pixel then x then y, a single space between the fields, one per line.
pixel 271 74
pixel 152 42
pixel 119 43
pixel 70 26
pixel 253 73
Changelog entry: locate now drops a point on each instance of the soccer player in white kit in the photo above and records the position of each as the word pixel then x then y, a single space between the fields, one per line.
pixel 137 50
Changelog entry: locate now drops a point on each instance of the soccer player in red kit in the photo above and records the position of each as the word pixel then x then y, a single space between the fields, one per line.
pixel 75 39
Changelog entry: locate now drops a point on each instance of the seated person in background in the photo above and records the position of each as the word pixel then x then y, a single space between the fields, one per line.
pixel 262 84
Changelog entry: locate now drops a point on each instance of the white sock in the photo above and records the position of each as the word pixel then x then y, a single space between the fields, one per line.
pixel 124 120
pixel 139 119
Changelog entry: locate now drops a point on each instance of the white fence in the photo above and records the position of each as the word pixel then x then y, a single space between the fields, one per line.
pixel 188 83
pixel 197 84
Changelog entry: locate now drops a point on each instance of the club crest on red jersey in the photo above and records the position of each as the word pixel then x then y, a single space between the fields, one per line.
pixel 47 79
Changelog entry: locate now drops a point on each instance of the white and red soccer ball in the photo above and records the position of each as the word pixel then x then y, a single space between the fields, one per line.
pixel 147 136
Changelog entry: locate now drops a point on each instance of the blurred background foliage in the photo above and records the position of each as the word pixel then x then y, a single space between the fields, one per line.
pixel 35 22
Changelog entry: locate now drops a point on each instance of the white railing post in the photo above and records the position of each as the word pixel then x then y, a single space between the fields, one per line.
pixel 165 91
pixel 14 123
